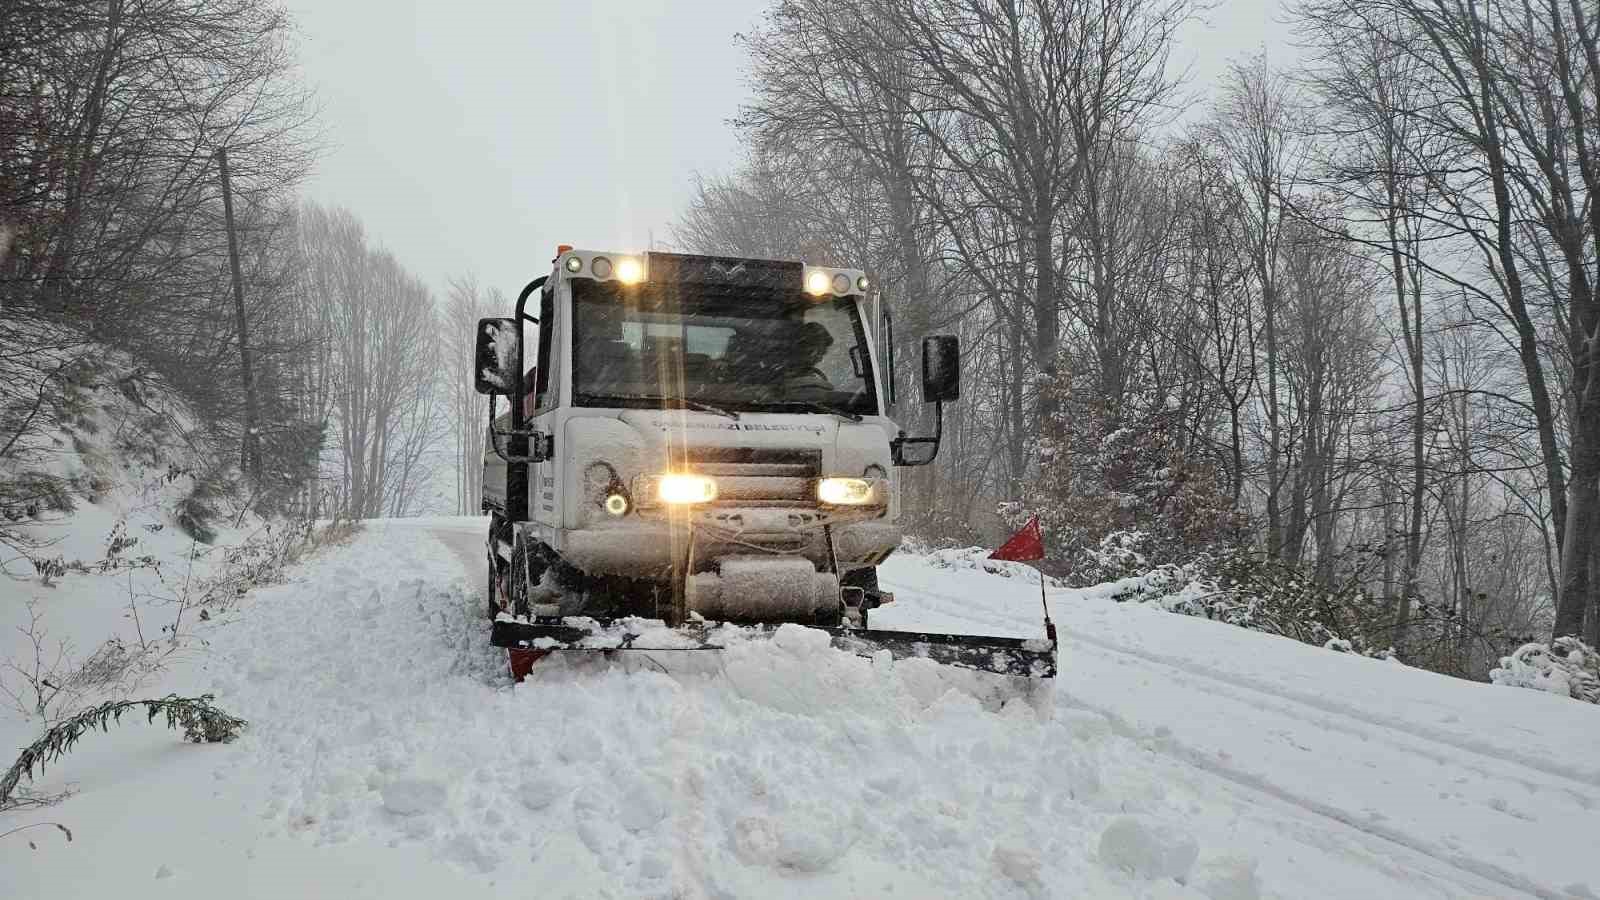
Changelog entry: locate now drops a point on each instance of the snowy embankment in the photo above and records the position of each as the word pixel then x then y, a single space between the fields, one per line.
pixel 388 755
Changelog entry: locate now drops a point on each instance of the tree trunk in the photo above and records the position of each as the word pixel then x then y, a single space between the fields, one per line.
pixel 1583 520
pixel 80 164
pixel 1047 311
pixel 1019 413
pixel 1275 547
pixel 250 453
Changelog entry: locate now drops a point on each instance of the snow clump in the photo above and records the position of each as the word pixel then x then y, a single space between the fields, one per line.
pixel 1148 849
pixel 1227 878
pixel 413 796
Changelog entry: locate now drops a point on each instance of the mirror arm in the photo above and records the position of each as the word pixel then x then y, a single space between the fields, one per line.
pixel 541 452
pixel 518 458
pixel 888 320
pixel 518 388
pixel 897 446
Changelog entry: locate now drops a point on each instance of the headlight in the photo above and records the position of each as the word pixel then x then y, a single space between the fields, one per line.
pixel 685 489
pixel 845 491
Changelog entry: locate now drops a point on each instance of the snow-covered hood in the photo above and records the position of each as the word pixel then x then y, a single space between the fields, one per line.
pixel 847 447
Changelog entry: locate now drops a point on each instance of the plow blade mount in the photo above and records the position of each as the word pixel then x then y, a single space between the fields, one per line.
pixel 1027 657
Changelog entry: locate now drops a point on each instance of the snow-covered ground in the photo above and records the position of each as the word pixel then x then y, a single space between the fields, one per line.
pixel 388 755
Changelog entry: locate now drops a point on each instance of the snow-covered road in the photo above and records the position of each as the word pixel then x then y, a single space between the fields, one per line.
pixel 1421 777
pixel 389 756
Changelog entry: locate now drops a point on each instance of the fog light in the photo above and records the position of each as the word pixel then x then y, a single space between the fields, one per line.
pixel 616 504
pixel 844 491
pixel 685 489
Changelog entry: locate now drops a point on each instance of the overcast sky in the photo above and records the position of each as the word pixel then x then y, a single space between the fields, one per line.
pixel 475 136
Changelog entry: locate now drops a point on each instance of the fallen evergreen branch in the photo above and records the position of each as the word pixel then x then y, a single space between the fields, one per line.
pixel 31 845
pixel 199 720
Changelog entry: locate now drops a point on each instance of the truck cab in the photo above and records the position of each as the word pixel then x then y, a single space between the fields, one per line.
pixel 702 437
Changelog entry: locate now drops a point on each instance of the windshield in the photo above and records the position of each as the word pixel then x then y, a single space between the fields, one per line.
pixel 762 353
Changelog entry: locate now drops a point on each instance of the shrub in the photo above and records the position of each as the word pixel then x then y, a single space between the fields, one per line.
pixel 1118 490
pixel 1565 666
pixel 1241 587
pixel 197 509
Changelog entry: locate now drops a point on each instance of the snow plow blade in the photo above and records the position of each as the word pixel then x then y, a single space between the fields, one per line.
pixel 1026 657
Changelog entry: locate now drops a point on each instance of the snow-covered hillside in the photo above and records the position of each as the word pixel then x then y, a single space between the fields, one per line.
pixel 388 755
pixel 118 521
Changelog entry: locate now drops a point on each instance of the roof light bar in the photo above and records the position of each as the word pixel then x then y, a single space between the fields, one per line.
pixel 839 282
pixel 718 272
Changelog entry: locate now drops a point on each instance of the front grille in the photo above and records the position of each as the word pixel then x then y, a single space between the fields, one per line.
pixel 759 476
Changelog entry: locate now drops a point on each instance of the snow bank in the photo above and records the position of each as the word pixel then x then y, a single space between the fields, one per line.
pixel 977 559
pixel 106 572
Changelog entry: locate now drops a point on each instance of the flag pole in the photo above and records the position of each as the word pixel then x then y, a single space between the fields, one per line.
pixel 1027 545
pixel 1049 626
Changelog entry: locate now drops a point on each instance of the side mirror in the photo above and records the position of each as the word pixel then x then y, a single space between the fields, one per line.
pixel 941 368
pixel 495 364
pixel 941 382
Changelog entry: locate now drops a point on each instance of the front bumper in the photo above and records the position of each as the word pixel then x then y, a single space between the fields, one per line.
pixel 651 544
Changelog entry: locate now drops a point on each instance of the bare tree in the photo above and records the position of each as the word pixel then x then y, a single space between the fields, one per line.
pixel 386 403
pixel 111 114
pixel 1258 134
pixel 466 303
pixel 1506 150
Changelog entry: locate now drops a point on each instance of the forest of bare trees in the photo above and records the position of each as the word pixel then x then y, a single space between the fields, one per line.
pixel 325 365
pixel 114 121
pixel 1328 330
pixel 1337 320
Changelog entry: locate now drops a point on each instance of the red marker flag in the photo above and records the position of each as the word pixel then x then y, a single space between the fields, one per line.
pixel 1026 544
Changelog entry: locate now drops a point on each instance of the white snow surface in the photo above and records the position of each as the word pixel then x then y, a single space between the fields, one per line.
pixel 388 755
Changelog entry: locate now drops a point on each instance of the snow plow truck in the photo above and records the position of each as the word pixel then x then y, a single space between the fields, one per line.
pixel 693 444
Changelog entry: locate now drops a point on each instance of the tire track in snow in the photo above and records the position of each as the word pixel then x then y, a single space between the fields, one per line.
pixel 1277 703
pixel 1378 725
pixel 1474 870
pixel 1194 758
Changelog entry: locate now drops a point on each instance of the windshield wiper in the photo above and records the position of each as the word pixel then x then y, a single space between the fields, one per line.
pixel 814 406
pixel 688 404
